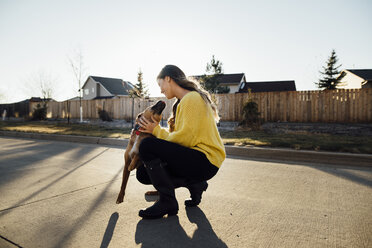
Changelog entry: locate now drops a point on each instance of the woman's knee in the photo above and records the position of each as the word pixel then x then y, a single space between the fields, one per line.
pixel 142 175
pixel 146 147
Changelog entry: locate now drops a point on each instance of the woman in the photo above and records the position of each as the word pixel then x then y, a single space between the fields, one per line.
pixel 187 155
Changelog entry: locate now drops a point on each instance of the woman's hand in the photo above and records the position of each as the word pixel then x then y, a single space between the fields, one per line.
pixel 146 125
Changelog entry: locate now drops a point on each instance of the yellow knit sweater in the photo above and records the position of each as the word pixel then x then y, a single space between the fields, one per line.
pixel 195 127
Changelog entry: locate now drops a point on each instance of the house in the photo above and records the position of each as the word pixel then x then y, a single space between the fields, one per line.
pixel 267 86
pixel 103 87
pixel 230 80
pixel 76 98
pixel 39 99
pixel 356 79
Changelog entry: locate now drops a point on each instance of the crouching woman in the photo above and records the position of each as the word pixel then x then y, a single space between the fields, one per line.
pixel 186 155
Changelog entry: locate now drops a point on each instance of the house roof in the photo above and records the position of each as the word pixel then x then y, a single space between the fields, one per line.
pixel 76 98
pixel 115 86
pixel 235 78
pixel 366 74
pixel 39 99
pixel 103 97
pixel 268 86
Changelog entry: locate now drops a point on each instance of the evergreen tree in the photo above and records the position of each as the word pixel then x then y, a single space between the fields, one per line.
pixel 331 75
pixel 214 67
pixel 140 89
pixel 210 79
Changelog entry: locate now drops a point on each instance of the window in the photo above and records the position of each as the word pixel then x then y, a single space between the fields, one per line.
pixel 86 91
pixel 93 90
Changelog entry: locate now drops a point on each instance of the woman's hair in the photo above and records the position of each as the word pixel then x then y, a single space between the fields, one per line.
pixel 179 77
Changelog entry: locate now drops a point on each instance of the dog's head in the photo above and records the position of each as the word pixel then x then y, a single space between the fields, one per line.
pixel 153 111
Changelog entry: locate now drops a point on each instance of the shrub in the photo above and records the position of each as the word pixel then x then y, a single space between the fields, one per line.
pixel 104 115
pixel 251 116
pixel 40 112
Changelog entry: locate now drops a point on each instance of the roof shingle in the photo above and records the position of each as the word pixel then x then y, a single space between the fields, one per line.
pixel 235 78
pixel 366 74
pixel 268 86
pixel 114 85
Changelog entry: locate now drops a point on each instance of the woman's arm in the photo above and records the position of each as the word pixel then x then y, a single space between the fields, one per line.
pixel 189 117
pixel 153 128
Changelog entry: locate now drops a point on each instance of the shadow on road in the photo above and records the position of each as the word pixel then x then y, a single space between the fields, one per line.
pixel 25 200
pixel 109 230
pixel 349 173
pixel 168 232
pixel 79 223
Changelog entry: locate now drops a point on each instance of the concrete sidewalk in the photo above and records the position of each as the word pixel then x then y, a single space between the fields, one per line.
pixel 62 194
pixel 275 154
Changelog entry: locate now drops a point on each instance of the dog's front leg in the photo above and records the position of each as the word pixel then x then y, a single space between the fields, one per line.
pixel 124 182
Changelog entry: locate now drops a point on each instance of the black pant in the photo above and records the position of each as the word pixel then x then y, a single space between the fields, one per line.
pixel 181 162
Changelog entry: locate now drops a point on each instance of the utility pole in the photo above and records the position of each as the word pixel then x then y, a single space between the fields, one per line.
pixel 81 107
pixel 132 111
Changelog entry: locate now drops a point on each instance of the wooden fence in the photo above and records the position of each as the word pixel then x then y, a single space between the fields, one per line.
pixel 343 106
pixel 120 108
pixel 19 109
pixel 351 105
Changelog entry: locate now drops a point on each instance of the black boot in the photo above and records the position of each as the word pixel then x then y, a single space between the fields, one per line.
pixel 167 203
pixel 196 191
pixel 177 183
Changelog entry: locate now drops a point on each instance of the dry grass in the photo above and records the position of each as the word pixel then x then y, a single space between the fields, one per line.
pixel 324 142
pixel 66 129
pixel 305 141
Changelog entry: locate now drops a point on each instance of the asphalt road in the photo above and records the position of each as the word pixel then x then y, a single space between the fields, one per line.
pixel 61 194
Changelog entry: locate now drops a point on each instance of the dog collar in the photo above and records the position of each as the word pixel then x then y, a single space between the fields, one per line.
pixel 136 129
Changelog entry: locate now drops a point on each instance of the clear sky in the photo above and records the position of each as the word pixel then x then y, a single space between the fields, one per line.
pixel 266 40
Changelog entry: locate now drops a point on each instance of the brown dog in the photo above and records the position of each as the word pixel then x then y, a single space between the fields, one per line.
pixel 131 156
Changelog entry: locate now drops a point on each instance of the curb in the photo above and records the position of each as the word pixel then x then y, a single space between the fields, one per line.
pixel 281 154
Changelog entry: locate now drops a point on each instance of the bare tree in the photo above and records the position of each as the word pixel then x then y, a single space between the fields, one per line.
pixel 46 86
pixel 77 65
pixel 41 84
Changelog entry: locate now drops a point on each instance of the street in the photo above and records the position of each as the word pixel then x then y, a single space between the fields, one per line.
pixel 61 194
